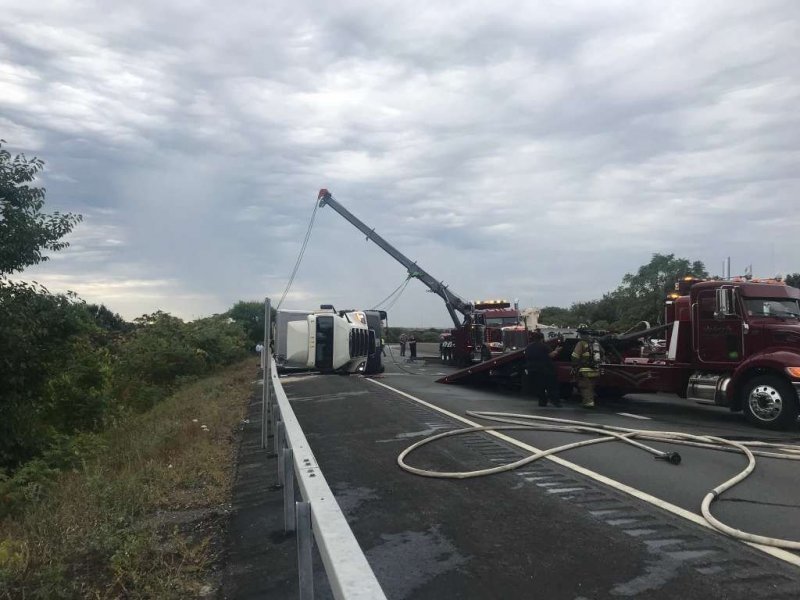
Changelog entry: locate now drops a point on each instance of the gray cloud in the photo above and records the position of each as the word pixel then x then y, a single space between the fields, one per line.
pixel 532 150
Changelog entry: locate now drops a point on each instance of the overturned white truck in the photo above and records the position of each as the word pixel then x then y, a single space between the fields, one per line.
pixel 329 341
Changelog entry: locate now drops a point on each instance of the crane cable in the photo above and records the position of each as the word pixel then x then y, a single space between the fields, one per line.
pixel 396 298
pixel 395 291
pixel 608 433
pixel 300 255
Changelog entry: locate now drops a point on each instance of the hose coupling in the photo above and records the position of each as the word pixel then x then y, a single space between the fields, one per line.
pixel 672 458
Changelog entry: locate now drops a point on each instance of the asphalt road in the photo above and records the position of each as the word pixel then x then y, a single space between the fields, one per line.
pixel 545 530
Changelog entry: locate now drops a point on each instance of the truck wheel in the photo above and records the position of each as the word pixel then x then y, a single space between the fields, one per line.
pixel 770 402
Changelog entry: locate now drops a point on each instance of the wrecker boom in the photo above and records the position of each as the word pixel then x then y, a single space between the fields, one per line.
pixel 452 301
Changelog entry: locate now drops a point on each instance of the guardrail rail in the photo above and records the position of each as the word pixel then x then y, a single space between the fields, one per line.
pixel 317 517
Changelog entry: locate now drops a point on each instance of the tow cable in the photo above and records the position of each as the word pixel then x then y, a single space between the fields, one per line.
pixel 608 433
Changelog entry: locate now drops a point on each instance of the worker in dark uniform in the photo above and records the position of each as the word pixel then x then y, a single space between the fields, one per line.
pixel 403 340
pixel 412 347
pixel 541 370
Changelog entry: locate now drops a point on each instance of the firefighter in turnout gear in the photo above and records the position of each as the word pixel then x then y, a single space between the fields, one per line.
pixel 586 359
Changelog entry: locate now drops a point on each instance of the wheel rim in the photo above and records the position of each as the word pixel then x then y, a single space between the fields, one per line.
pixel 765 402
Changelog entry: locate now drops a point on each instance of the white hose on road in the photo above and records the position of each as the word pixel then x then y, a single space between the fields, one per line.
pixel 610 433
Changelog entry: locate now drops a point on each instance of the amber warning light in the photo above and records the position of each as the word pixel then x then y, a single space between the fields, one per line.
pixel 483 304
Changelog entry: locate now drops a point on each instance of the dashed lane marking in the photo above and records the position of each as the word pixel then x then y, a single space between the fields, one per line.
pixel 778 553
pixel 632 416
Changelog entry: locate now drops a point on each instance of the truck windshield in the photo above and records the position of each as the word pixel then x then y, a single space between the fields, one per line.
pixel 786 308
pixel 501 321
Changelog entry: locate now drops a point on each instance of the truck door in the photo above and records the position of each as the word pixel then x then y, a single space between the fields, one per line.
pixel 718 337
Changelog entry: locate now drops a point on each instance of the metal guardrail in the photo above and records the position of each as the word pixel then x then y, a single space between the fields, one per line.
pixel 318 516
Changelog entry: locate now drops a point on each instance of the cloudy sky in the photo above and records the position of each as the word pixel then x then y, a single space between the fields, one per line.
pixel 535 150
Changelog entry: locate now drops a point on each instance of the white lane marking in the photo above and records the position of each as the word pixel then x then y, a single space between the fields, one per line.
pixel 778 553
pixel 632 416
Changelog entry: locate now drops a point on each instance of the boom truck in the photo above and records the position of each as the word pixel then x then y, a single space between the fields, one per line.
pixel 733 343
pixel 471 339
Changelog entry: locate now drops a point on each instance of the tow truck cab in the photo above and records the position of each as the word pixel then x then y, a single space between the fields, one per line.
pixel 494 315
pixel 322 340
pixel 729 343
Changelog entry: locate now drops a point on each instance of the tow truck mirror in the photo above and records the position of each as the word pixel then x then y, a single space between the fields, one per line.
pixel 725 305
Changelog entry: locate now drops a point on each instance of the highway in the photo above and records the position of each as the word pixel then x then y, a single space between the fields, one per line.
pixel 606 521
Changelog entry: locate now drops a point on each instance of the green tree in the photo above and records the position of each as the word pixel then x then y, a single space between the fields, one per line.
pixel 163 351
pixel 53 374
pixel 250 315
pixel 793 280
pixel 556 315
pixel 641 295
pixel 25 231
pixel 107 319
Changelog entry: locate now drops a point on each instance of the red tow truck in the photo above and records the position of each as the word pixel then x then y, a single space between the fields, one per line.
pixel 733 343
pixel 488 320
pixel 479 335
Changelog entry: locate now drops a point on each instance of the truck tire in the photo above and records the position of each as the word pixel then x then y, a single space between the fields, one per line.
pixel 770 402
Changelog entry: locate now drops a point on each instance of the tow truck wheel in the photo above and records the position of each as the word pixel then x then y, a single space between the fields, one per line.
pixel 770 402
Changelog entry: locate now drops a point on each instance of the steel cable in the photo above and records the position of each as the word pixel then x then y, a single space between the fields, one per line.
pixel 300 255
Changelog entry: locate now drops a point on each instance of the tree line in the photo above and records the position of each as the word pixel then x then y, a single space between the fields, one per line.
pixel 639 297
pixel 69 368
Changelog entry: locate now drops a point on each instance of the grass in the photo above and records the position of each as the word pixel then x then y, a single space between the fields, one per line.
pixel 143 517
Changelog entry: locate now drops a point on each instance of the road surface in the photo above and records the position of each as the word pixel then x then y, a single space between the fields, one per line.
pixel 548 530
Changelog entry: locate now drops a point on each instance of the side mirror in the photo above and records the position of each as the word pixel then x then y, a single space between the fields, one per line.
pixel 725 304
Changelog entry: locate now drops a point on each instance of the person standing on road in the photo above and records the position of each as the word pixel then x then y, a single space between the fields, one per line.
pixel 542 376
pixel 412 347
pixel 403 340
pixel 585 361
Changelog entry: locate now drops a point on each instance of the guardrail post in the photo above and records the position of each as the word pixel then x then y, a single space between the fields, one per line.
pixel 305 565
pixel 288 490
pixel 279 448
pixel 266 370
pixel 276 416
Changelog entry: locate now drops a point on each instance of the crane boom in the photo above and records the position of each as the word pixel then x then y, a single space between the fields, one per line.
pixel 452 301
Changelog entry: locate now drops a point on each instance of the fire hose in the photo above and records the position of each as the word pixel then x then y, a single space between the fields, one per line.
pixel 608 433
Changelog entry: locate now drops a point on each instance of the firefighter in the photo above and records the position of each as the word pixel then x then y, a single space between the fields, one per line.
pixel 586 360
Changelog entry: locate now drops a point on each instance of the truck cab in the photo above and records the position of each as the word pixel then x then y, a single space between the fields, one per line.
pixel 745 343
pixel 733 343
pixel 323 340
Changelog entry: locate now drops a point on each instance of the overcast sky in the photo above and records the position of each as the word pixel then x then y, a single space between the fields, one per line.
pixel 533 150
